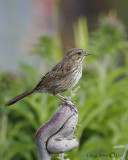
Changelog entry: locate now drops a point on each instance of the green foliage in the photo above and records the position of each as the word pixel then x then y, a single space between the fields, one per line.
pixel 101 99
pixel 81 33
pixel 48 48
pixel 103 110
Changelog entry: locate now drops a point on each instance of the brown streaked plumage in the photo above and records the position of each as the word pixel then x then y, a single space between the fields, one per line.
pixel 61 78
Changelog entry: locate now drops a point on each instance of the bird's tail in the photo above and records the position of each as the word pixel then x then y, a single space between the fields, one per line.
pixel 14 100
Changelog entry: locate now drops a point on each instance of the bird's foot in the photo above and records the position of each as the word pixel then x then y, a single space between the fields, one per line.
pixel 66 101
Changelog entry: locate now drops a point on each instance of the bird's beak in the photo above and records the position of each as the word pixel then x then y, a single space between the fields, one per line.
pixel 86 53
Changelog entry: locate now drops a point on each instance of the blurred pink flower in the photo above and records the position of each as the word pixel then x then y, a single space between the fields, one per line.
pixel 40 23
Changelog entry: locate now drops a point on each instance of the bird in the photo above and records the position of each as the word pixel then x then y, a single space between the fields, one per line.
pixel 60 78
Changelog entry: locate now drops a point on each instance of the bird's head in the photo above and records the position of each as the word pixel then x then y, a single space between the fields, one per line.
pixel 76 54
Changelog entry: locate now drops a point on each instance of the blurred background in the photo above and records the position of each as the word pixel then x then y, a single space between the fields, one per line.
pixel 34 35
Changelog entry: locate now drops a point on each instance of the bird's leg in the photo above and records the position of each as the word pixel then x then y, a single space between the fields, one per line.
pixel 60 97
pixel 71 105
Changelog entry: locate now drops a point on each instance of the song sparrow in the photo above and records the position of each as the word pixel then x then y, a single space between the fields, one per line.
pixel 61 78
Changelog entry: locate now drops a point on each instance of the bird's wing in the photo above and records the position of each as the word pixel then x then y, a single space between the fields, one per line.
pixel 57 72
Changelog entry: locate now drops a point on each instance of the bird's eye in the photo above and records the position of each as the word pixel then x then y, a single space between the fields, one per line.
pixel 79 53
